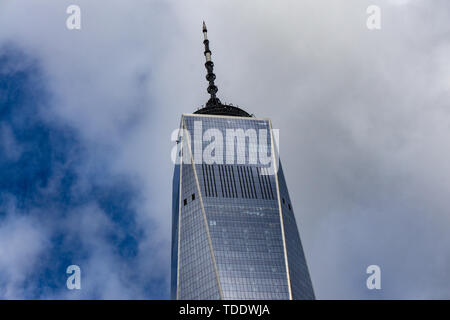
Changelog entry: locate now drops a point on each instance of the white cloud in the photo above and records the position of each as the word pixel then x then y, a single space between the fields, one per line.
pixel 22 241
pixel 362 116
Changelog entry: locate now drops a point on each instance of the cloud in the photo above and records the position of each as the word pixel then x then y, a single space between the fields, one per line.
pixel 60 197
pixel 362 115
pixel 22 241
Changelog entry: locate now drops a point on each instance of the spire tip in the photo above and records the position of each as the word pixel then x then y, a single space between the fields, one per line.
pixel 210 76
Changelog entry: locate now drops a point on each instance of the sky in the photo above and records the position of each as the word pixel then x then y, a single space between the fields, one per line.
pixel 86 118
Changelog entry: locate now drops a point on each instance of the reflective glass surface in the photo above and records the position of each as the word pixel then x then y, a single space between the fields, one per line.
pixel 226 219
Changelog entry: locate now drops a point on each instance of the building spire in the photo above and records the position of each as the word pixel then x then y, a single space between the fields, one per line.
pixel 210 76
pixel 214 106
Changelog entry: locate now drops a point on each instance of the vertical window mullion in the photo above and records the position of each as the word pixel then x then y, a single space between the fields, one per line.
pixel 269 184
pixel 250 182
pixel 253 182
pixel 233 186
pixel 229 182
pixel 243 182
pixel 227 187
pixel 246 182
pixel 214 179
pixel 266 190
pixel 260 184
pixel 240 182
pixel 208 167
pixel 221 183
pixel 204 180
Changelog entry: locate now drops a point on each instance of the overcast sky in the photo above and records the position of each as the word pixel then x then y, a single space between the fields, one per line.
pixel 86 117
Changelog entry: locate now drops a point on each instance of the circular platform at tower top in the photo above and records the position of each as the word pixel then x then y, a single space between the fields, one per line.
pixel 223 110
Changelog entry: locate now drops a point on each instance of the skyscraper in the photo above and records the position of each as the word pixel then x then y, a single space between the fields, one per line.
pixel 234 234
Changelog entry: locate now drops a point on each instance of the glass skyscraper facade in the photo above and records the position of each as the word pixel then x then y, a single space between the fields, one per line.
pixel 234 232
